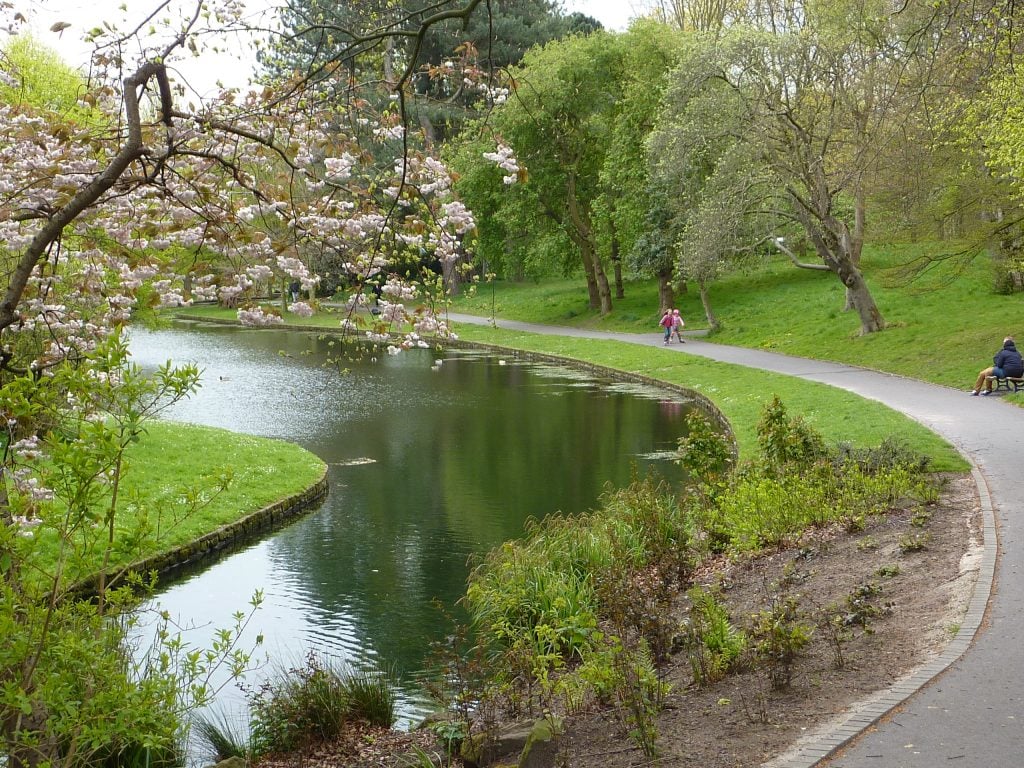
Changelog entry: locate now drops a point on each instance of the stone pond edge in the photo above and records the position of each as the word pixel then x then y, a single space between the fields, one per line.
pixel 212 545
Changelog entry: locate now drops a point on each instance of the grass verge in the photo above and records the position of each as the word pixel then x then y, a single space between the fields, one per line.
pixel 183 481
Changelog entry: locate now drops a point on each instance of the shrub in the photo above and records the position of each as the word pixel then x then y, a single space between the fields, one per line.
pixel 787 443
pixel 713 643
pixel 780 636
pixel 890 453
pixel 541 592
pixel 312 703
pixel 704 453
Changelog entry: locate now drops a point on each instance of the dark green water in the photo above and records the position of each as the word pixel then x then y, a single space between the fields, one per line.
pixel 428 464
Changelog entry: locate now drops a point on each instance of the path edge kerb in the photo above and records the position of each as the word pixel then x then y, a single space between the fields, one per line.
pixel 828 739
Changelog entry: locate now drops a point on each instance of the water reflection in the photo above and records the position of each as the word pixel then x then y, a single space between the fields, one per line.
pixel 428 464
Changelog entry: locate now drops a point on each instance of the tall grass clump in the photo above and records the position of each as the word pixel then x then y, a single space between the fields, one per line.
pixel 313 702
pixel 220 737
pixel 371 696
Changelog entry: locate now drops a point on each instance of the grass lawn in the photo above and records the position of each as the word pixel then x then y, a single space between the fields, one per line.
pixel 175 461
pixel 943 327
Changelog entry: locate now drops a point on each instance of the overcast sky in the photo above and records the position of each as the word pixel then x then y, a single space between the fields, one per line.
pixel 231 68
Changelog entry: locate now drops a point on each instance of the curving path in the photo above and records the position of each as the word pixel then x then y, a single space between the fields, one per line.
pixel 966 708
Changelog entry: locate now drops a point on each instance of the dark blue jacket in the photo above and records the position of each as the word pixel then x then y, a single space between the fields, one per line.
pixel 1009 359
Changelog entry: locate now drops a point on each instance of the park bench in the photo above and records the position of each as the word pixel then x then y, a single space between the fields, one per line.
pixel 1009 383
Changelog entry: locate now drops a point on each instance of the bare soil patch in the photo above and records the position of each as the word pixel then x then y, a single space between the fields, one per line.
pixel 912 599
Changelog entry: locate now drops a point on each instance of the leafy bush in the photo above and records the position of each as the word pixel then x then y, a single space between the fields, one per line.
pixel 889 454
pixel 704 453
pixel 780 635
pixel 787 443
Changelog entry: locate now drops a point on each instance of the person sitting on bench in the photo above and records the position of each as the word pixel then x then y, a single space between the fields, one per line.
pixel 1007 364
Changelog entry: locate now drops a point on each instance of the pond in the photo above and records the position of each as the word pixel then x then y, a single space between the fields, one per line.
pixel 429 463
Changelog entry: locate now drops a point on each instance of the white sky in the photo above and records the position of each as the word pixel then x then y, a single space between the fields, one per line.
pixel 231 68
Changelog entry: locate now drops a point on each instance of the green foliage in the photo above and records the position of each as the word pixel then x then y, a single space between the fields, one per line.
pixel 890 454
pixel 43 81
pixel 640 697
pixel 567 89
pixel 74 691
pixel 704 452
pixel 624 207
pixel 766 510
pixel 913 542
pixel 780 635
pixel 541 591
pixel 713 643
pixel 312 702
pixel 787 444
pixel 538 603
pixel 451 733
pixel 521 598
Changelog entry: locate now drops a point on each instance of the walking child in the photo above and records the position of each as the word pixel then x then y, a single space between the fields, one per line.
pixel 667 323
pixel 678 325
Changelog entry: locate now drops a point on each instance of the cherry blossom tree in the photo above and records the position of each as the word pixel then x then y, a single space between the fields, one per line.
pixel 138 196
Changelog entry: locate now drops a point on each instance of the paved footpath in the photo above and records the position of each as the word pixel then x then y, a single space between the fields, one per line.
pixel 965 709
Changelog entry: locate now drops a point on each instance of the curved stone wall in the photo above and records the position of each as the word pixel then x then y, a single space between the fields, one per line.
pixel 214 543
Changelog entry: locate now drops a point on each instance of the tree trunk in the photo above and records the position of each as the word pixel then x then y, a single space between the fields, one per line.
pixel 429 134
pixel 450 278
pixel 870 317
pixel 604 289
pixel 600 277
pixel 666 294
pixel 389 61
pixel 709 313
pixel 855 244
pixel 581 233
pixel 592 291
pixel 616 258
pixel 838 249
